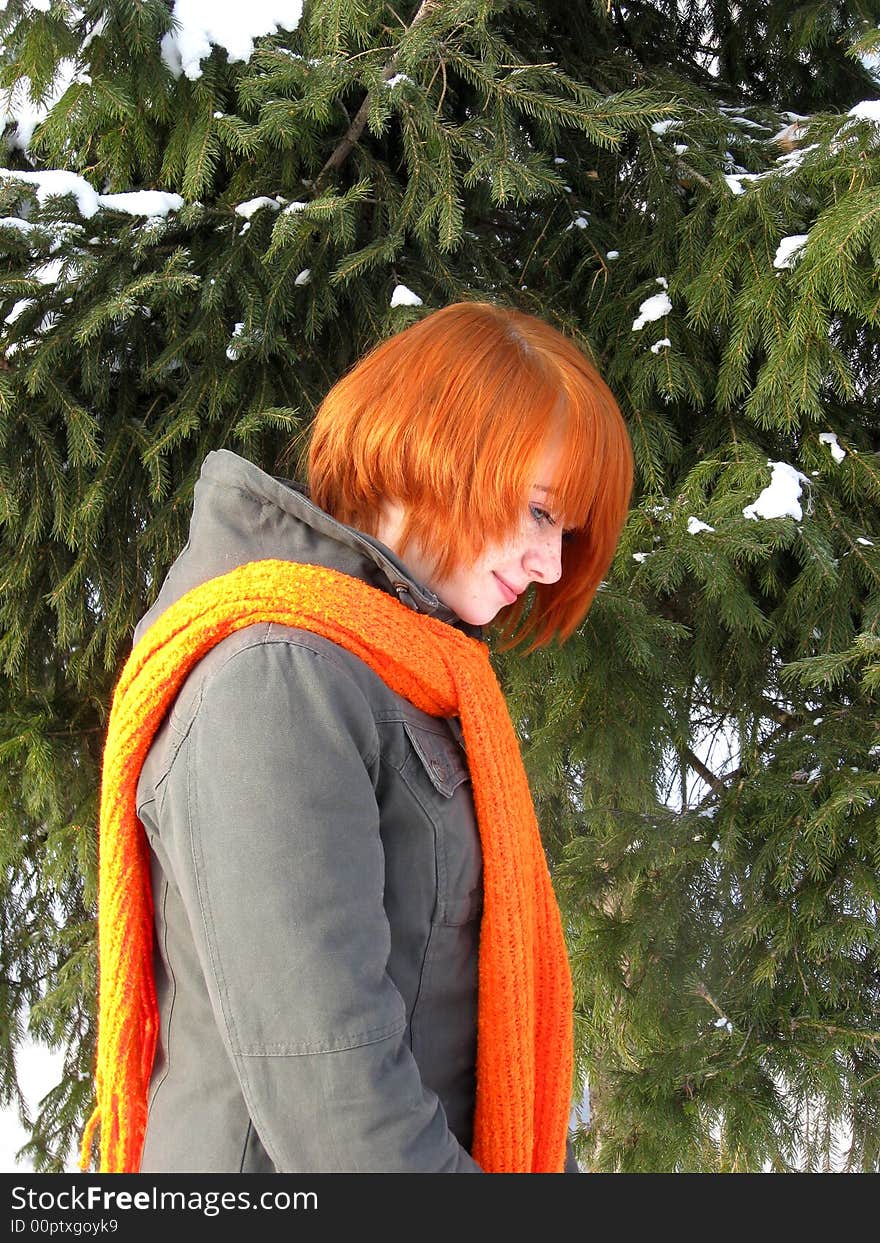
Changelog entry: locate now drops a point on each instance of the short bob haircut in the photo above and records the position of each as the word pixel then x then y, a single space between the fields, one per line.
pixel 448 417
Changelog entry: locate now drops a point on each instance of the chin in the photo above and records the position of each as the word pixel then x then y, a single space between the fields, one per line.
pixel 476 616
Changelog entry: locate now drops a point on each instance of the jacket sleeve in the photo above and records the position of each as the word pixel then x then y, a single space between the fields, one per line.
pixel 283 877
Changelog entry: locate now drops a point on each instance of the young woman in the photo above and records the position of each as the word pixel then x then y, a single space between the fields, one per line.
pixel 344 909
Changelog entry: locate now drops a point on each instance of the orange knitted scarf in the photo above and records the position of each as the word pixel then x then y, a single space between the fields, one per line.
pixel 524 1036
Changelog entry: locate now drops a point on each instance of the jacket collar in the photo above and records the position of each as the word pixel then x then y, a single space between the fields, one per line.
pixel 411 592
pixel 363 554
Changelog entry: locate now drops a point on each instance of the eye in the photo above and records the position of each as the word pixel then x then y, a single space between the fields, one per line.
pixel 542 515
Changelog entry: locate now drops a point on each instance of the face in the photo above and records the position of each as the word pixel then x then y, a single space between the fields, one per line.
pixel 532 553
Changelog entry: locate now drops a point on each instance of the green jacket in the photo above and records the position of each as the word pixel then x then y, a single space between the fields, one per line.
pixel 317 880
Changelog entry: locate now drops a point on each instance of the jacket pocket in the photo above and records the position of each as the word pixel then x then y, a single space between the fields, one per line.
pixel 443 760
pixel 438 776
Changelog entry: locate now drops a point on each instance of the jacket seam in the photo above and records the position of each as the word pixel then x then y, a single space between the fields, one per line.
pixel 224 1016
pixel 414 1026
pixel 404 714
pixel 244 1148
pixel 330 1115
pixel 307 1049
pixel 205 910
pixel 180 728
pixel 178 735
pixel 155 1092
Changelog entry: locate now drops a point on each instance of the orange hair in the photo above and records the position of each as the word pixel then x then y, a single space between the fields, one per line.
pixel 449 417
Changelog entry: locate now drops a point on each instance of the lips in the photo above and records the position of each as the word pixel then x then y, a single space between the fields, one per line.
pixel 507 591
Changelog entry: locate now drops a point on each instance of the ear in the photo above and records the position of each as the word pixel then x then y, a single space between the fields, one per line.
pixel 390 522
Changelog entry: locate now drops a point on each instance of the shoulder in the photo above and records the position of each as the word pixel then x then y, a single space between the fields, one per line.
pixel 260 696
pixel 272 668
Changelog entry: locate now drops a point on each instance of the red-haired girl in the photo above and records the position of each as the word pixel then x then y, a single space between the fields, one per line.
pixel 340 950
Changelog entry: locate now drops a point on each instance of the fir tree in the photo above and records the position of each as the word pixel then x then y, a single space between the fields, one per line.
pixel 689 191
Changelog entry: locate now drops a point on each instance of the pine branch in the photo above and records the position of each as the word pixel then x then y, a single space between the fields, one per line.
pixel 708 776
pixel 344 148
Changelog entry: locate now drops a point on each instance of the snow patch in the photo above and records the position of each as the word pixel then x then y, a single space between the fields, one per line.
pixel 57 181
pixel 789 250
pixel 48 273
pixel 232 352
pixel 401 296
pixel 250 206
pixel 781 497
pixel 867 110
pixel 695 526
pixel 830 439
pixel 142 202
pixel 739 120
pixel 651 309
pixel 16 222
pixel 18 106
pixel 203 24
pixel 793 159
pixel 735 181
pixel 20 306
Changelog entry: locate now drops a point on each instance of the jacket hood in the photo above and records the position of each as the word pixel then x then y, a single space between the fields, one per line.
pixel 241 514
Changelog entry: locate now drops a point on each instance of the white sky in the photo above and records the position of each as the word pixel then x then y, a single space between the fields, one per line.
pixel 39 1070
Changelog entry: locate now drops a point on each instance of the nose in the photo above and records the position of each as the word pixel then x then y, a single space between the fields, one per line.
pixel 543 557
